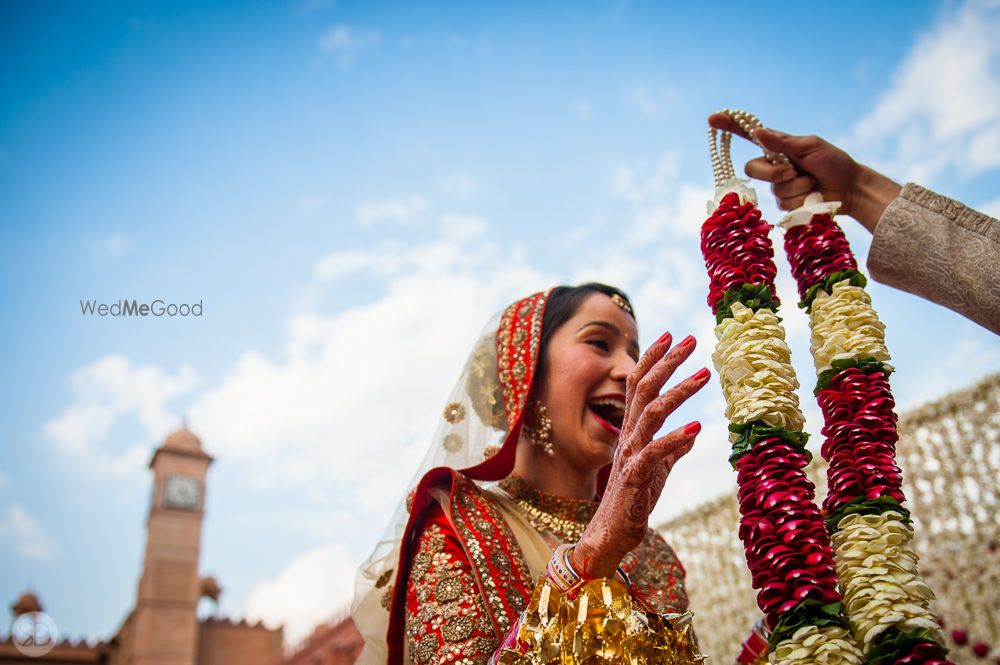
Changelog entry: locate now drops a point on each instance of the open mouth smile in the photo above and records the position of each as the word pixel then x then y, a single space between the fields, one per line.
pixel 609 410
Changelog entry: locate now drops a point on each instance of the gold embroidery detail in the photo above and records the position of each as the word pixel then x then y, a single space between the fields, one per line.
pixel 490 450
pixel 452 443
pixel 450 610
pixel 448 588
pixel 516 366
pixel 502 613
pixel 383 579
pixel 454 412
pixel 457 629
pixel 425 648
pixel 421 562
pixel 500 561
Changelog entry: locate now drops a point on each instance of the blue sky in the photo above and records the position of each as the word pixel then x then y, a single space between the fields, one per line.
pixel 352 189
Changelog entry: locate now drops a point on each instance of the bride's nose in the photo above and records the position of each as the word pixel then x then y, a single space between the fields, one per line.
pixel 623 365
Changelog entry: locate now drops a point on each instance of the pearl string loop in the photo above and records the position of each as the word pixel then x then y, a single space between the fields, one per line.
pixel 719 147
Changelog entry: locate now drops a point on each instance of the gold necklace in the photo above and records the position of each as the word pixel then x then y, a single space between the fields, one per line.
pixel 568 530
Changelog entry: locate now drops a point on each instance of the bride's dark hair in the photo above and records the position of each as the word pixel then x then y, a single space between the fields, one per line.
pixel 562 305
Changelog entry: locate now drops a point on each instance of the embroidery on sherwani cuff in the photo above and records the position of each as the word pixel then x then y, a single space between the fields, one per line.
pixel 446 621
pixel 956 211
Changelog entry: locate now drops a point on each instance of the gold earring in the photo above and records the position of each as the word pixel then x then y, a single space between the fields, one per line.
pixel 539 426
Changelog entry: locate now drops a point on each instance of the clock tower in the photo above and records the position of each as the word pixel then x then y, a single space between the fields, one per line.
pixel 165 622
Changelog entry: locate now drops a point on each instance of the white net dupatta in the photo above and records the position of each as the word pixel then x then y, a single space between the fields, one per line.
pixel 472 427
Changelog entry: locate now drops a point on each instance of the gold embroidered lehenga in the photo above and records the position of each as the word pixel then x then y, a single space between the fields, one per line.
pixel 460 582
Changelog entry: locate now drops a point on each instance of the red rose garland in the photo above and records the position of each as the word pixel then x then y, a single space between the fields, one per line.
pixel 787 547
pixel 886 600
pixel 737 250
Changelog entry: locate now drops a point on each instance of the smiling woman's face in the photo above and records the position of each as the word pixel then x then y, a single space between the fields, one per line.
pixel 588 359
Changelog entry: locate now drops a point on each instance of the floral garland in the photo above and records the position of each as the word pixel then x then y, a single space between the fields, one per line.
pixel 887 602
pixel 787 547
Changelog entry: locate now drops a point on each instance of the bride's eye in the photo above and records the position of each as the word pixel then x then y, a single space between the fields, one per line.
pixel 599 343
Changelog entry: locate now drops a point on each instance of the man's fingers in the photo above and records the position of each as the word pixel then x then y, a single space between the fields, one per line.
pixel 793 147
pixel 761 169
pixel 726 124
pixel 791 203
pixel 800 186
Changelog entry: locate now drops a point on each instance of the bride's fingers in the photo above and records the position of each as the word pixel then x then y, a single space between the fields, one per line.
pixel 666 450
pixel 647 361
pixel 657 411
pixel 648 387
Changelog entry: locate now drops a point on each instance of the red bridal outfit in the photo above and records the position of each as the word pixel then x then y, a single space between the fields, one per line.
pixel 460 576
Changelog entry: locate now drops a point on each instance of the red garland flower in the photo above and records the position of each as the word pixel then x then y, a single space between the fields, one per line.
pixel 816 250
pixel 861 437
pixel 787 547
pixel 736 247
pixel 923 653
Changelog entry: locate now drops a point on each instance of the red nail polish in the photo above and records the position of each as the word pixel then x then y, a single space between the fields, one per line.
pixel 701 374
pixel 692 428
pixel 663 338
pixel 688 341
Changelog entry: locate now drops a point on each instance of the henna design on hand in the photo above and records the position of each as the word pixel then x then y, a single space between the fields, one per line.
pixel 641 466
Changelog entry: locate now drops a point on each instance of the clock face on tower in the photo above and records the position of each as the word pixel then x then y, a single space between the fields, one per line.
pixel 181 492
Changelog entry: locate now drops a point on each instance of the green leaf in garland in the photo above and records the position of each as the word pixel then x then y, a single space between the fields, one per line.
pixel 750 433
pixel 894 644
pixel 855 278
pixel 865 506
pixel 867 365
pixel 807 613
pixel 754 296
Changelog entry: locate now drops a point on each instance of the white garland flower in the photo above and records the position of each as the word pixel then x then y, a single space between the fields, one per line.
pixel 755 369
pixel 829 645
pixel 877 568
pixel 844 325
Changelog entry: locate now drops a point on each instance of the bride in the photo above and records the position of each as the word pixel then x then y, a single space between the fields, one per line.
pixel 527 533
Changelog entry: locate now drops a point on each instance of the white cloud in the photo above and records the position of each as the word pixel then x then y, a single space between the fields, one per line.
pixel 307 591
pixel 107 390
pixel 458 184
pixel 309 204
pixel 338 264
pixel 371 377
pixel 942 111
pixel 463 227
pixel 642 182
pixel 25 535
pixel 347 42
pixel 116 244
pixel 401 211
pixel 652 103
pixel 663 207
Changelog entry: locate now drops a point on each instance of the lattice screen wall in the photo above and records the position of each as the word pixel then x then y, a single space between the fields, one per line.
pixel 949 451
